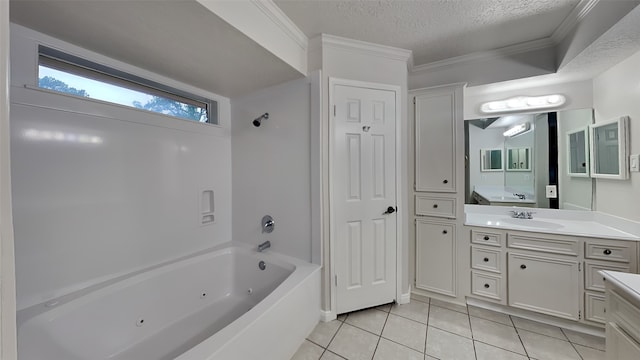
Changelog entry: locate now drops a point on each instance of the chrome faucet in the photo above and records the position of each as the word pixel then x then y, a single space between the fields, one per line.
pixel 519 196
pixel 522 214
pixel 264 246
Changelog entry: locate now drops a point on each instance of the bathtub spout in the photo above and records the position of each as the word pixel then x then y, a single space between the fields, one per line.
pixel 264 246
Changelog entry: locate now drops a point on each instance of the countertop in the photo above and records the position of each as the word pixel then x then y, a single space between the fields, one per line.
pixel 552 221
pixel 629 283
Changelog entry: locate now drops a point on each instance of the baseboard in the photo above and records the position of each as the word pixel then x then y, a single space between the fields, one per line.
pixel 326 316
pixel 405 298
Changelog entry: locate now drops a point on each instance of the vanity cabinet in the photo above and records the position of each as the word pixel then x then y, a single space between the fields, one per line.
pixel 551 274
pixel 436 256
pixel 544 283
pixel 437 176
pixel 623 318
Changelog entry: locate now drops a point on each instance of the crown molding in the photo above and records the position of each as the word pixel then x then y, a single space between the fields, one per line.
pixel 281 20
pixel 574 18
pixel 364 47
pixel 486 55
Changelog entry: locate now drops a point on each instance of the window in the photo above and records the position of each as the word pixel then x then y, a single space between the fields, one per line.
pixel 69 74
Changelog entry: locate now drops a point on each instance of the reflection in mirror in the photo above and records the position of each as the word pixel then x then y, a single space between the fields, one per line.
pixel 610 148
pixel 533 159
pixel 490 159
pixel 518 159
pixel 578 153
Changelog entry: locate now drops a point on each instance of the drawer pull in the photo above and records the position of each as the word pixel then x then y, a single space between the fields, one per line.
pixel 445 181
pixel 485 259
pixel 444 231
pixel 486 237
pixel 607 252
pixel 486 286
pixel 523 266
pixel 435 206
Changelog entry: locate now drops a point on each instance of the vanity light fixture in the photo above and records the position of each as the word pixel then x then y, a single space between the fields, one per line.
pixel 522 103
pixel 517 129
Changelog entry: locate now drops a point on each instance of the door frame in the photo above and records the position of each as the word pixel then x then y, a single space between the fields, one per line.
pixel 398 188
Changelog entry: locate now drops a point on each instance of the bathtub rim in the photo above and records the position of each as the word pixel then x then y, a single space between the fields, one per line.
pixel 85 294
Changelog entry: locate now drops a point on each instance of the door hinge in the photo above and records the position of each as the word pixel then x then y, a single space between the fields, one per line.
pixel 334 110
pixel 579 314
pixel 579 267
pixel 335 277
pixel 414 100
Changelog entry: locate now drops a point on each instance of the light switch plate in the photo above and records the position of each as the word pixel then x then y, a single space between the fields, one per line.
pixel 634 162
pixel 551 191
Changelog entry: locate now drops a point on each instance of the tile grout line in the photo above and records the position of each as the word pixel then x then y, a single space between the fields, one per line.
pixel 380 336
pixel 572 344
pixel 519 338
pixel 473 340
pixel 333 337
pixel 426 331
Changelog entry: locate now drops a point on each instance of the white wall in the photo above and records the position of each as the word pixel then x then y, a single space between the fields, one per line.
pixel 540 159
pixel 490 138
pixel 574 192
pixel 521 180
pixel 271 167
pixel 85 212
pixel 7 261
pixel 616 93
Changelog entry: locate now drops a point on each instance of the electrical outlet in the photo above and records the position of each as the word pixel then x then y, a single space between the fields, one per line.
pixel 551 191
pixel 634 162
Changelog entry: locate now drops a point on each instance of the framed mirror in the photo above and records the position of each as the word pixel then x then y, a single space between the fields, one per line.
pixel 491 160
pixel 578 152
pixel 610 149
pixel 519 159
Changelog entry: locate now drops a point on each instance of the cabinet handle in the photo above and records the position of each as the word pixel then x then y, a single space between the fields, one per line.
pixel 486 286
pixel 523 266
pixel 486 237
pixel 607 252
pixel 444 231
pixel 445 181
pixel 435 206
pixel 486 259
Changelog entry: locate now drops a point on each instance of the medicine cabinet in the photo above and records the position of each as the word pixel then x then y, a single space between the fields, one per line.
pixel 578 152
pixel 519 159
pixel 491 160
pixel 610 149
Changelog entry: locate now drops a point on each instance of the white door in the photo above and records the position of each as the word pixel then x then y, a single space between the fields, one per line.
pixel 364 196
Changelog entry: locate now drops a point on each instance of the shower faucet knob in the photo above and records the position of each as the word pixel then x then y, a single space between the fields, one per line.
pixel 268 224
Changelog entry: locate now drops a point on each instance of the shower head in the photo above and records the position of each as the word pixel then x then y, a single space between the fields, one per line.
pixel 258 120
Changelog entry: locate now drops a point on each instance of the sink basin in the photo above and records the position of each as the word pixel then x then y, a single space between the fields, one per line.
pixel 533 223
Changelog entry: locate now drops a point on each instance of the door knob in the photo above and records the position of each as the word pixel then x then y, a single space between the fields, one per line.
pixel 390 210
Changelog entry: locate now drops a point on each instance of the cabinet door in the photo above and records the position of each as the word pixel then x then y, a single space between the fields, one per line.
pixel 546 284
pixel 621 346
pixel 435 257
pixel 435 157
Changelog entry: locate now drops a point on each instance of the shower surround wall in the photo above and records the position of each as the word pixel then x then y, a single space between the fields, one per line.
pixel 86 212
pixel 272 168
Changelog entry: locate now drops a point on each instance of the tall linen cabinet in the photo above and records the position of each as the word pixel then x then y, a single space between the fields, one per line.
pixel 437 201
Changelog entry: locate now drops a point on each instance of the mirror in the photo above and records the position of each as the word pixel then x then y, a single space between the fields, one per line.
pixel 535 157
pixel 490 159
pixel 518 159
pixel 578 153
pixel 609 149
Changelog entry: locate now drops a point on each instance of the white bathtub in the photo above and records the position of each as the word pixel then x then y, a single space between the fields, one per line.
pixel 213 305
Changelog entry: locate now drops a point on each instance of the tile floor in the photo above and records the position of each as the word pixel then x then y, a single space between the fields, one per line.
pixel 428 329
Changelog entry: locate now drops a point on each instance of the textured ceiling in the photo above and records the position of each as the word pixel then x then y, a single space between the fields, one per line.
pixel 178 39
pixel 433 29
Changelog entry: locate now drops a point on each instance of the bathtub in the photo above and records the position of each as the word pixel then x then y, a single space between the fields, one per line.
pixel 216 304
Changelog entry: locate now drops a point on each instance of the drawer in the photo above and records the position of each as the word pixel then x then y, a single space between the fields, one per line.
pixel 487 259
pixel 486 285
pixel 624 314
pixel 594 308
pixel 593 280
pixel 436 206
pixel 545 244
pixel 610 251
pixel 486 238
